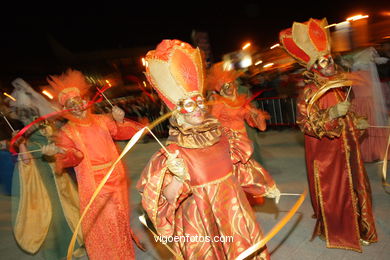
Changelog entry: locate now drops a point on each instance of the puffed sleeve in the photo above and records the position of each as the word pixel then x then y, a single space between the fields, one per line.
pixel 121 131
pixel 154 179
pixel 255 117
pixel 253 178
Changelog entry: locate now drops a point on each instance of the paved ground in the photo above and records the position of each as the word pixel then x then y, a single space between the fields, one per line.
pixel 283 155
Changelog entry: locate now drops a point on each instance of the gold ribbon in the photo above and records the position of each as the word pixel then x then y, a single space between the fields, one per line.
pixel 323 89
pixel 251 250
pixel 384 167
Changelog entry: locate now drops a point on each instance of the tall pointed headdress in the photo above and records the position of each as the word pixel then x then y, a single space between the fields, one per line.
pixel 306 42
pixel 176 71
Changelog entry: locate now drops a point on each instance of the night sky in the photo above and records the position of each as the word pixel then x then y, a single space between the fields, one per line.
pixel 80 28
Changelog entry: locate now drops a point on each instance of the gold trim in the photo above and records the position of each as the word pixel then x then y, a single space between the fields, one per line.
pixel 317 184
pixel 67 90
pixel 316 171
pixel 101 166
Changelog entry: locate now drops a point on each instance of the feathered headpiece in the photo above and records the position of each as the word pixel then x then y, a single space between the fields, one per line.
pixel 70 84
pixel 306 42
pixel 218 75
pixel 176 71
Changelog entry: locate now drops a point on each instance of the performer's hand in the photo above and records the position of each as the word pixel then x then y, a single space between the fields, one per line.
pixel 172 190
pixel 118 114
pixel 177 166
pixel 362 124
pixel 21 140
pixel 51 149
pixel 273 193
pixel 3 145
pixel 339 110
pixel 381 60
pixel 265 114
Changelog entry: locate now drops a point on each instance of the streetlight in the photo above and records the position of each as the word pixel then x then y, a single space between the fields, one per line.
pixel 258 62
pixel 268 65
pixel 9 96
pixel 246 45
pixel 144 62
pixel 108 82
pixel 356 17
pixel 47 94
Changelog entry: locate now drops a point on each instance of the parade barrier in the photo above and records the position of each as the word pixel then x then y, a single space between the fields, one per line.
pixel 282 110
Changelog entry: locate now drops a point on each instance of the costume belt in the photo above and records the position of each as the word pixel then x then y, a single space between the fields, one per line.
pixel 98 167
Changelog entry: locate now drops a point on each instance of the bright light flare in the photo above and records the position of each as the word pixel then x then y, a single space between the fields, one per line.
pixel 356 17
pixel 144 62
pixel 331 25
pixel 108 82
pixel 227 66
pixel 345 23
pixel 268 65
pixel 9 96
pixel 47 94
pixel 274 46
pixel 246 62
pixel 337 24
pixel 144 83
pixel 258 62
pixel 247 45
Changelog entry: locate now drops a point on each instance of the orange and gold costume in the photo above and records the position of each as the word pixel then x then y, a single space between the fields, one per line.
pixel 90 149
pixel 211 204
pixel 232 113
pixel 339 186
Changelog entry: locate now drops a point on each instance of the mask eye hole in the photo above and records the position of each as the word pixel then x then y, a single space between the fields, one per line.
pixel 200 102
pixel 189 105
pixel 324 62
pixel 227 85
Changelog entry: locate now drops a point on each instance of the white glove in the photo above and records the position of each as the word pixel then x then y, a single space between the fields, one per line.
pixel 273 193
pixel 118 114
pixel 177 166
pixel 339 110
pixel 380 60
pixel 362 124
pixel 51 149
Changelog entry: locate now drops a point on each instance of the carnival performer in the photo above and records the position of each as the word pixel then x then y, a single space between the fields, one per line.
pixel 369 101
pixel 233 110
pixel 85 142
pixel 192 192
pixel 339 187
pixel 45 205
